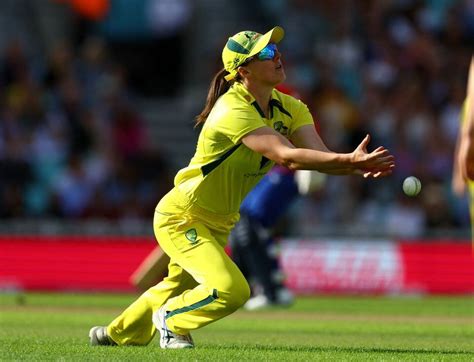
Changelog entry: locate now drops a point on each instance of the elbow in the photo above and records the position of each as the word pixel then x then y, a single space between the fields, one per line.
pixel 289 157
pixel 292 166
pixel 289 163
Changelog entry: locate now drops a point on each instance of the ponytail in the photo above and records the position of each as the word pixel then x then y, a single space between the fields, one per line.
pixel 217 88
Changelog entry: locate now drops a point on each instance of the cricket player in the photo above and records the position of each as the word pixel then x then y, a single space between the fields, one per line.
pixel 247 127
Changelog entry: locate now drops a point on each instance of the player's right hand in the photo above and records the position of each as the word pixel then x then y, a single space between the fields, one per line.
pixel 377 163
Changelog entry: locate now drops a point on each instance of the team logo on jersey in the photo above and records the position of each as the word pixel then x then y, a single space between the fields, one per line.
pixel 280 128
pixel 192 235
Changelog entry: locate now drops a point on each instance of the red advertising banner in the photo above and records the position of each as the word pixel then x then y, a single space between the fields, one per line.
pixel 342 266
pixel 441 267
pixel 378 267
pixel 99 263
pixel 71 262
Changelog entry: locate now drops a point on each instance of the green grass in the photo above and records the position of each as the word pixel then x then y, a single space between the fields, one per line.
pixel 42 327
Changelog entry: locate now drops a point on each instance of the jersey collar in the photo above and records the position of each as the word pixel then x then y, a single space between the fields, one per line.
pixel 240 89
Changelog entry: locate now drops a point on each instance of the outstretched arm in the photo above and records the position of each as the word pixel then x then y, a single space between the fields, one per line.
pixel 466 147
pixel 310 153
pixel 307 137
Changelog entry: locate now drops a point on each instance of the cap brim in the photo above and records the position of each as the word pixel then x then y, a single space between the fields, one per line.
pixel 273 36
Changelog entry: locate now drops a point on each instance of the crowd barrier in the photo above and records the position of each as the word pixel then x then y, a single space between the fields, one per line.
pixel 80 263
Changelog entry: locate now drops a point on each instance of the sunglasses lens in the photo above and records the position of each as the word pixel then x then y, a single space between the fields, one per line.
pixel 268 52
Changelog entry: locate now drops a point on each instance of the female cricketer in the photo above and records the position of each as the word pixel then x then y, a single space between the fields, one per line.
pixel 247 127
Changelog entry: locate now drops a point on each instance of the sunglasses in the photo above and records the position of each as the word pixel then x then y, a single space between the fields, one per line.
pixel 267 53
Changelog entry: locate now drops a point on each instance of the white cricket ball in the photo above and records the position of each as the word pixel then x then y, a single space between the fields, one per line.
pixel 411 186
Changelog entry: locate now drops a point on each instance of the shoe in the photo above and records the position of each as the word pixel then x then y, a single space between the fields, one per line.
pixel 283 298
pixel 98 337
pixel 258 302
pixel 169 339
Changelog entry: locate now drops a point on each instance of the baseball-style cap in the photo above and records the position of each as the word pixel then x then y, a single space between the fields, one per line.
pixel 246 44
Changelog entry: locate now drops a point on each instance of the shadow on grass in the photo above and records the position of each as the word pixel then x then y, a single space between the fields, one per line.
pixel 342 349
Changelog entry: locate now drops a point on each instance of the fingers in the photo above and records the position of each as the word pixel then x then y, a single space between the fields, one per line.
pixel 379 151
pixel 381 163
pixel 379 157
pixel 377 163
pixel 364 143
pixel 377 172
pixel 373 175
pixel 385 159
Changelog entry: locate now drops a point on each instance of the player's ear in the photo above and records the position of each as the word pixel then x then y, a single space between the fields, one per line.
pixel 243 71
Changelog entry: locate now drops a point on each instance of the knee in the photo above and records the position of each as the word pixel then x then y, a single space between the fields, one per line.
pixel 242 294
pixel 237 295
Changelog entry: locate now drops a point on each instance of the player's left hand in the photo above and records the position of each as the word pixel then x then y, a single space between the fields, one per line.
pixel 375 173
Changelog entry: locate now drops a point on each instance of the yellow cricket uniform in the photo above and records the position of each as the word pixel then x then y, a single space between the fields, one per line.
pixel 193 221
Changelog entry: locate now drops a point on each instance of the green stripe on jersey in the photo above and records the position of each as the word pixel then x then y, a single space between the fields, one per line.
pixel 223 170
pixel 206 169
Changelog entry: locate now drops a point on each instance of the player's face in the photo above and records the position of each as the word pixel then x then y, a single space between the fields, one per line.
pixel 266 67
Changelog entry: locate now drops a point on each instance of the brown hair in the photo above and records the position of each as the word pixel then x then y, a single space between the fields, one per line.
pixel 217 88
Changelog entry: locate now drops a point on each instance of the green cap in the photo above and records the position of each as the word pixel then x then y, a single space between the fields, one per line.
pixel 246 44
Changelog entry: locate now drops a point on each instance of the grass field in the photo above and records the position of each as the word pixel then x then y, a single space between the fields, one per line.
pixel 38 327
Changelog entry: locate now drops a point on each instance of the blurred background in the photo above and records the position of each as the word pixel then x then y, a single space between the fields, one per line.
pixel 97 101
pixel 97 107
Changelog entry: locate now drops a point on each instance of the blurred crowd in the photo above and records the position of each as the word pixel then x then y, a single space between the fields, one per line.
pixel 397 70
pixel 73 143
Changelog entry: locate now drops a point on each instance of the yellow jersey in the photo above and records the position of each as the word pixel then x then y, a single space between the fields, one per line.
pixel 223 170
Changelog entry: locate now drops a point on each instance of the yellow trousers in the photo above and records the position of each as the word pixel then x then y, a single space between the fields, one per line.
pixel 202 286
